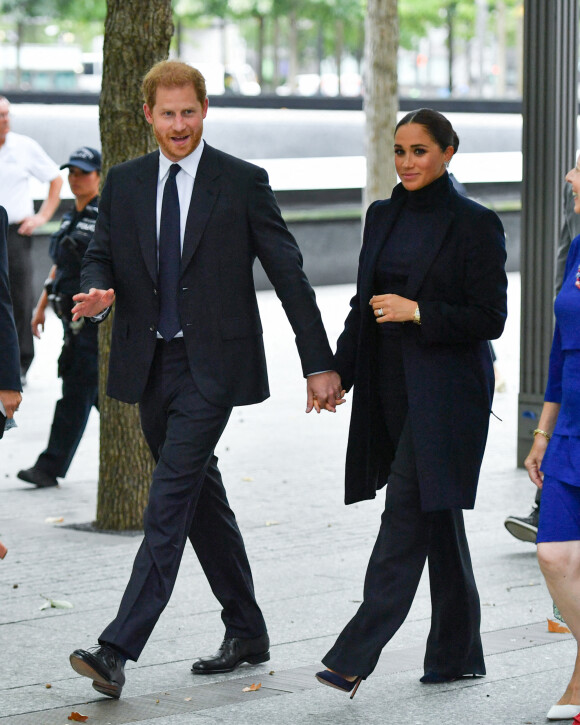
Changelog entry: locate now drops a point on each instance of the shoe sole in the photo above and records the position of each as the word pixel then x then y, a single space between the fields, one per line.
pixel 521 531
pixel 250 659
pixel 105 687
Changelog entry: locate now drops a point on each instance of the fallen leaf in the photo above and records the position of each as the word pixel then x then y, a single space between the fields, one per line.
pixel 253 687
pixel 247 478
pixel 55 604
pixel 557 627
pixel 188 699
pixel 77 717
pixel 48 685
pixel 272 672
pixel 54 520
pixel 157 702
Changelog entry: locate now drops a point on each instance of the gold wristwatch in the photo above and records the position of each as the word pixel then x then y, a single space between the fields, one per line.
pixel 417 316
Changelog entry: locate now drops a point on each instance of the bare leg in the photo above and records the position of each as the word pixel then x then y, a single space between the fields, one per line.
pixel 560 565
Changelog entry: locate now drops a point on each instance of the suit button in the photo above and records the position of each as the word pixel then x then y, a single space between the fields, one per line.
pixel 152 328
pixel 154 291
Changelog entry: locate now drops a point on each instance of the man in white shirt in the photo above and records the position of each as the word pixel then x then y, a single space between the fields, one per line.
pixel 20 158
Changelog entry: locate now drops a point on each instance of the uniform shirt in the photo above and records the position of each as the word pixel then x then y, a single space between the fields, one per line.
pixel 68 245
pixel 20 158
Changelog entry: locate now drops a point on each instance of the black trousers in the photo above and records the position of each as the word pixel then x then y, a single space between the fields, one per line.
pixel 80 391
pixel 20 277
pixel 187 499
pixel 407 538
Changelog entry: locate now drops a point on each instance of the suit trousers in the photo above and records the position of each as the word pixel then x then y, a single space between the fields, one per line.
pixel 20 276
pixel 186 500
pixel 80 391
pixel 409 536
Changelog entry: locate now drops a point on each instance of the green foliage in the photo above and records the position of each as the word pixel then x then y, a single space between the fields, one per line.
pixel 417 16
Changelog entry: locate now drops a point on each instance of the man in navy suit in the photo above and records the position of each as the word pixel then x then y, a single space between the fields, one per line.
pixel 10 385
pixel 174 245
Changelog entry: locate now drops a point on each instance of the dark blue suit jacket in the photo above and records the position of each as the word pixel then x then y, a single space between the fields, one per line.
pixel 9 353
pixel 233 218
pixel 459 281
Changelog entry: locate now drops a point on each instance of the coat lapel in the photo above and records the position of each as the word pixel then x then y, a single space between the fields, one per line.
pixel 383 224
pixel 205 193
pixel 146 211
pixel 428 250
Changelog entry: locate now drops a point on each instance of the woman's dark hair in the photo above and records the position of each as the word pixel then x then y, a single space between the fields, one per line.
pixel 436 125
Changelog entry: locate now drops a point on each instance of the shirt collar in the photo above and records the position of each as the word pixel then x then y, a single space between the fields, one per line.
pixel 189 164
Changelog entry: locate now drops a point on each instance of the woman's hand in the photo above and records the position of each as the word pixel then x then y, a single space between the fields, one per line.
pixel 393 308
pixel 533 462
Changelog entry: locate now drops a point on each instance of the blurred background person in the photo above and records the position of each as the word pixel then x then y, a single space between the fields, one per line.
pixel 20 158
pixel 78 361
pixel 553 463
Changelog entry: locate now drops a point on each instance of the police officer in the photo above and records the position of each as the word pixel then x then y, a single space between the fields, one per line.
pixel 78 361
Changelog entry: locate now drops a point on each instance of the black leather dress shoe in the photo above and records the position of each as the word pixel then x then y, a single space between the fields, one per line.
pixel 104 666
pixel 232 652
pixel 38 477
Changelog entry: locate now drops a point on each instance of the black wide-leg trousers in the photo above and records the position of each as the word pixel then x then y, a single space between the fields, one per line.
pixel 407 538
pixel 187 499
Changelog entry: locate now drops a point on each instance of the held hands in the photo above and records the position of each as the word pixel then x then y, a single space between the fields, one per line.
pixel 533 462
pixel 392 308
pixel 324 392
pixel 93 303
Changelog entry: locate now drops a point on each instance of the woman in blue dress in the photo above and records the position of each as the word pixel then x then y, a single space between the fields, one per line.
pixel 554 463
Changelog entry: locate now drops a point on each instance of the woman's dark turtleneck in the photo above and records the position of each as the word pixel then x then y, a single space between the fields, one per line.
pixel 402 246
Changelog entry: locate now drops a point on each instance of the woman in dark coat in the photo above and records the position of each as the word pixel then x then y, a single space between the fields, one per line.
pixel 431 292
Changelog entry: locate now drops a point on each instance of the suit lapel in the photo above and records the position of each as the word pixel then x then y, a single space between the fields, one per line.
pixel 205 193
pixel 146 211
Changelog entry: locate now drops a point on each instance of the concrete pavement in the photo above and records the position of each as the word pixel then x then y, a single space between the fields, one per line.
pixel 283 472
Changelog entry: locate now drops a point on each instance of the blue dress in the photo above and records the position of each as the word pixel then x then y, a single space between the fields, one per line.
pixel 560 507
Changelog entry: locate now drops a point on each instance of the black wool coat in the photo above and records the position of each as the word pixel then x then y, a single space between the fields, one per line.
pixel 459 282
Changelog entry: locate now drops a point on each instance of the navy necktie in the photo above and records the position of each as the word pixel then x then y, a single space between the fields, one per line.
pixel 169 257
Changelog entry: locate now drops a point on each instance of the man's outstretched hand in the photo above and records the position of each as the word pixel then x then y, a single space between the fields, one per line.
pixel 93 303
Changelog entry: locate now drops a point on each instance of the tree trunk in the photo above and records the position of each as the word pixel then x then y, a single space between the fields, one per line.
pixel 261 32
pixel 338 51
pixel 130 49
pixel 381 102
pixel 276 53
pixel 293 52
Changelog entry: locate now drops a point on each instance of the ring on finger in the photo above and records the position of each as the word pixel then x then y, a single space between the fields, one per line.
pixel 380 311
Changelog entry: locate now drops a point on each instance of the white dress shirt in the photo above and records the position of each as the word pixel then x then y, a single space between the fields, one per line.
pixel 184 180
pixel 20 158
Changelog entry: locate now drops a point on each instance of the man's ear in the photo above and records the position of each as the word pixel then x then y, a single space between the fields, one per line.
pixel 148 114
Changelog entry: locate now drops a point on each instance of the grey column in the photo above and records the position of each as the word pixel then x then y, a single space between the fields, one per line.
pixel 550 106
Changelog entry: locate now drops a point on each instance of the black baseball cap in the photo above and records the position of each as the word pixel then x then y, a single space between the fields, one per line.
pixel 85 158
